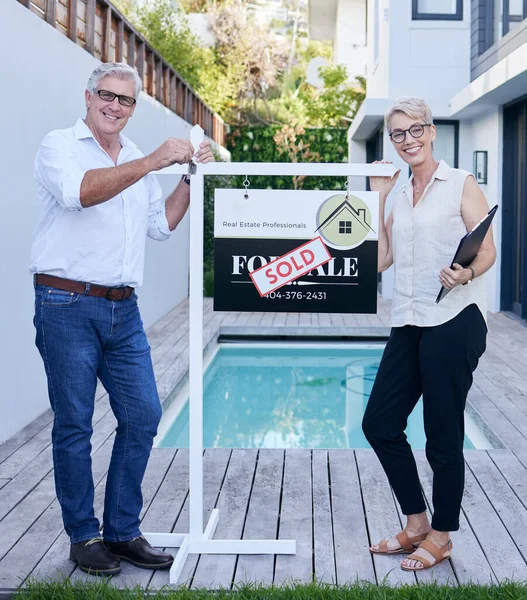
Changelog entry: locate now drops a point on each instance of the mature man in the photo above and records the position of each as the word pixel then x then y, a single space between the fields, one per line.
pixel 99 201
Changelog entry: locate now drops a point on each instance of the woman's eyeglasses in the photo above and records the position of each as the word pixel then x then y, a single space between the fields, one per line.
pixel 416 131
pixel 110 97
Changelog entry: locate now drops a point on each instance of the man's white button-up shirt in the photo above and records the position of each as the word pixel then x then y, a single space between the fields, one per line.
pixel 103 244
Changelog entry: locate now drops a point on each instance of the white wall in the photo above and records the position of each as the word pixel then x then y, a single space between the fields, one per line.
pixel 422 58
pixel 379 58
pixel 46 75
pixel 430 59
pixel 486 133
pixel 350 37
pixel 357 154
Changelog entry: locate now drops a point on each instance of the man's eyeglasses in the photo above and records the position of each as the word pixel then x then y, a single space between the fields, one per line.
pixel 110 97
pixel 416 131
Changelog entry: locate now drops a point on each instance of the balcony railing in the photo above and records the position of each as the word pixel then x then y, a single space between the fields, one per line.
pixel 99 28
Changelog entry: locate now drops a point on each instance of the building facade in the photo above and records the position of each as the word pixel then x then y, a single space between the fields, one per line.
pixel 342 22
pixel 468 60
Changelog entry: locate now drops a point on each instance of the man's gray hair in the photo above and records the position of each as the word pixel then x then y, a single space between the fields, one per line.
pixel 114 69
pixel 411 106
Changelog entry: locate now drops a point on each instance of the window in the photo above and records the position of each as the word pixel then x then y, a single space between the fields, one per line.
pixel 437 10
pixel 446 142
pixel 507 15
pixel 513 13
pixel 344 226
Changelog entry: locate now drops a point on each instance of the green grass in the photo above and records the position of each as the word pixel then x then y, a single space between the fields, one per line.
pixel 361 591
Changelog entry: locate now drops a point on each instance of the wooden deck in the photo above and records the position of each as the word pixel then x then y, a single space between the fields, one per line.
pixel 334 503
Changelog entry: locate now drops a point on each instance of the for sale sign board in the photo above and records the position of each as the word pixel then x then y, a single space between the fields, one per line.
pixel 295 251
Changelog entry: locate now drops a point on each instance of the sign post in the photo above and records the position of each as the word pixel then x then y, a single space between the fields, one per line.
pixel 199 540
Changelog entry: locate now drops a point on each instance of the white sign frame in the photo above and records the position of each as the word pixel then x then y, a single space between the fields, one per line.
pixel 199 540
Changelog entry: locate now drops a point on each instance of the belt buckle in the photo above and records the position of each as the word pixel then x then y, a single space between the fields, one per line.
pixel 111 289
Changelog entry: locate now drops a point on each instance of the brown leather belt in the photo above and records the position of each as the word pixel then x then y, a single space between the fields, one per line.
pixel 80 287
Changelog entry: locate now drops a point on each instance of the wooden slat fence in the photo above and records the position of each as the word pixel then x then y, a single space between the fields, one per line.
pixel 99 28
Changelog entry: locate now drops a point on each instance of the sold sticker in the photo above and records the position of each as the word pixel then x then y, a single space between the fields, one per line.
pixel 290 266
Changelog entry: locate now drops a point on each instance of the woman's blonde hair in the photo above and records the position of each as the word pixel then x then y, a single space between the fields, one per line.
pixel 411 106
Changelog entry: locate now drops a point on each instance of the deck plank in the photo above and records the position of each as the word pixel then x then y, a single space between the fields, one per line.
pixel 26 453
pixel 352 556
pixel 296 519
pixel 38 468
pixel 21 458
pixel 214 570
pixel 279 319
pixel 27 554
pixel 468 559
pixel 324 548
pixel 215 464
pixel 156 470
pixel 36 505
pixel 262 518
pixel 55 560
pixel 25 435
pixel 25 481
pixel 504 558
pixel 382 517
pixel 510 510
pixel 165 489
pixel 442 573
pixel 513 466
pixel 497 421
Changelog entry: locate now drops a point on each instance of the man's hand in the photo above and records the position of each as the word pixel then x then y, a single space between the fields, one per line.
pixel 204 154
pixel 171 152
pixel 449 278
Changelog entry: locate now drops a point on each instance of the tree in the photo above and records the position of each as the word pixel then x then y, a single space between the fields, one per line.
pixel 167 29
pixel 296 150
pixel 336 100
pixel 253 58
pixel 247 76
pixel 334 105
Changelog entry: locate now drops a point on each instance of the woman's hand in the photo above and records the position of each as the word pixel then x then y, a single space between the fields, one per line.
pixel 204 154
pixel 383 185
pixel 449 278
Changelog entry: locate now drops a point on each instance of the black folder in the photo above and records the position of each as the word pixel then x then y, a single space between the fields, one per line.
pixel 469 246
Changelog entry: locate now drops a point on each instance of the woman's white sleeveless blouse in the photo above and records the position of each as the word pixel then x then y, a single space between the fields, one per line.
pixel 424 240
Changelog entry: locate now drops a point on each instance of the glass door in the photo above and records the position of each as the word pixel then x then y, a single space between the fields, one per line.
pixel 514 233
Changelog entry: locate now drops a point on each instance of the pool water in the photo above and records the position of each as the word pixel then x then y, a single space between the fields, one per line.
pixel 286 397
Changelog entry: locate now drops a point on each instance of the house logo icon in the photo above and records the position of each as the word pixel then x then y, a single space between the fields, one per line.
pixel 344 223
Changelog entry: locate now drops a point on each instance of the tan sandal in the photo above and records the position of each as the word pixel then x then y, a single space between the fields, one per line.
pixel 408 544
pixel 438 553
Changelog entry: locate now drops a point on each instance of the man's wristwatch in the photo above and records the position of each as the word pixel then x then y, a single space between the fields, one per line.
pixel 472 277
pixel 186 179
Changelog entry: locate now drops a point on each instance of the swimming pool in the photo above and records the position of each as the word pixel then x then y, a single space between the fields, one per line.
pixel 289 396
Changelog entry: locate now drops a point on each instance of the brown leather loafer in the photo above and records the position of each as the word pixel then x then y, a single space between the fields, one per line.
pixel 141 554
pixel 93 557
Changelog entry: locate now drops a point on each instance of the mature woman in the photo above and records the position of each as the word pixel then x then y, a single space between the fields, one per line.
pixel 433 349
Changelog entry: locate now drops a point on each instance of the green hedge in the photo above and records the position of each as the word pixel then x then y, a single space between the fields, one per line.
pixel 256 144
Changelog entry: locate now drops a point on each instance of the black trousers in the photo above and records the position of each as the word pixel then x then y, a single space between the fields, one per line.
pixel 437 363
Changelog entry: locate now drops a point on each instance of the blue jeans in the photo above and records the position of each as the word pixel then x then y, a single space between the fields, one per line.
pixel 82 338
